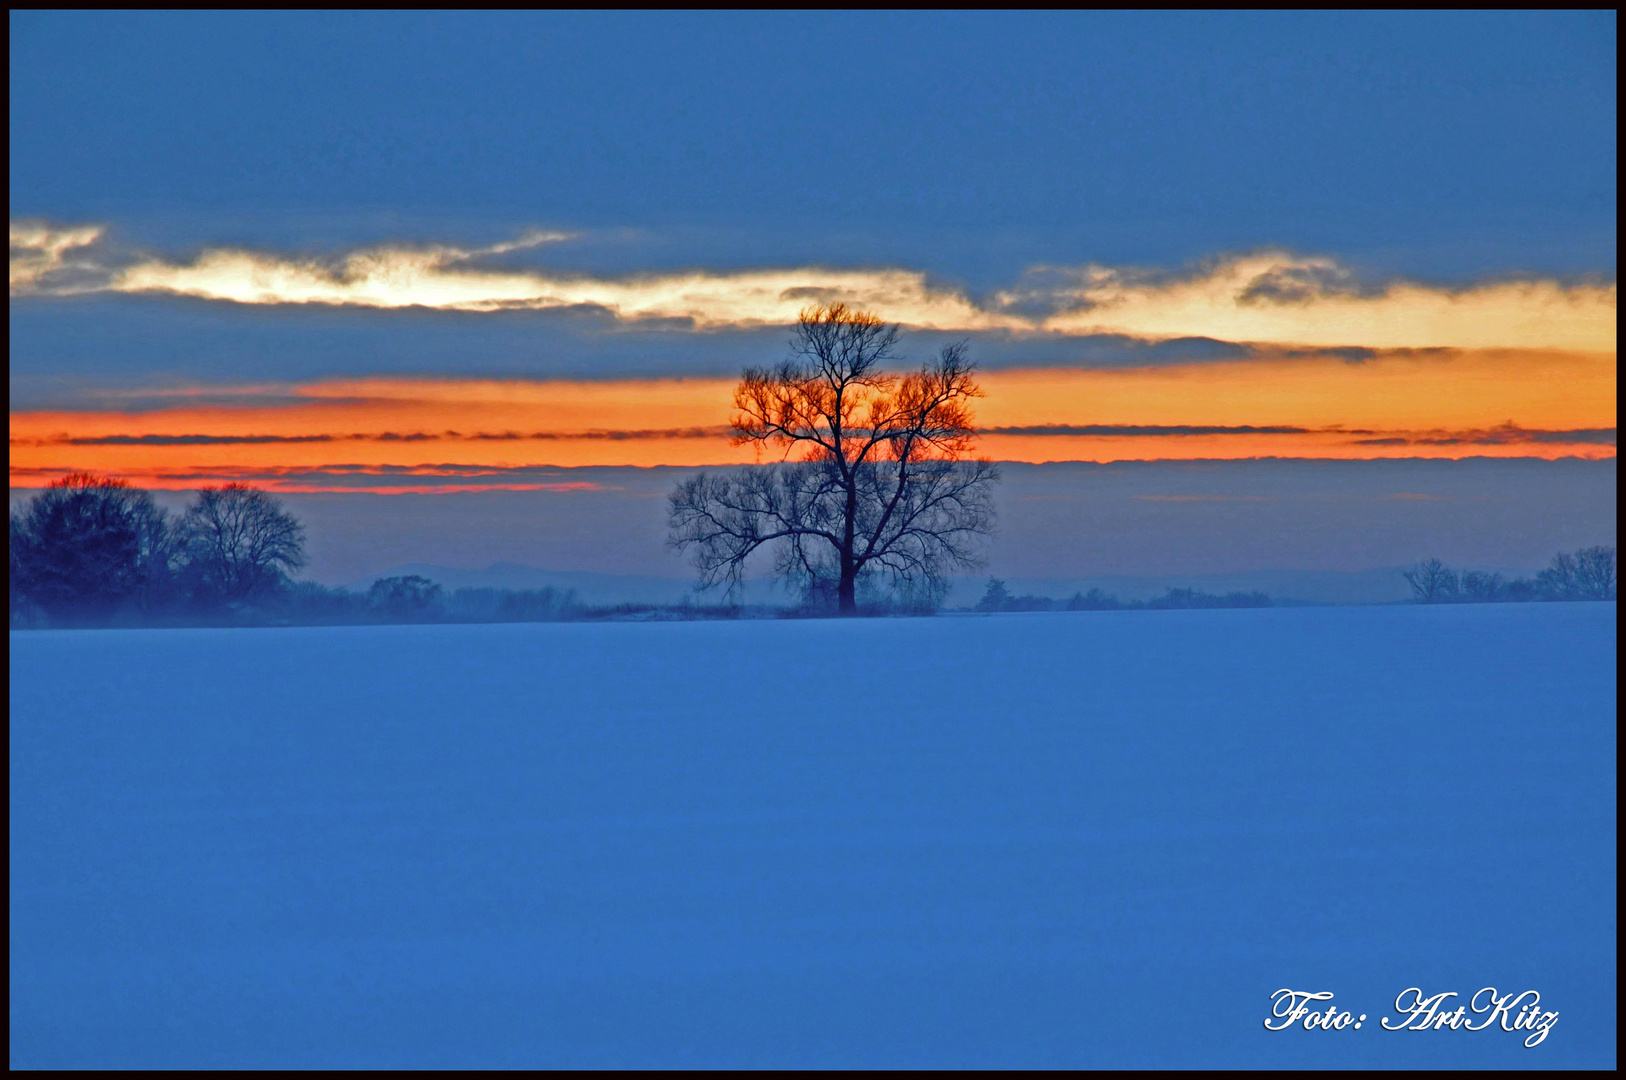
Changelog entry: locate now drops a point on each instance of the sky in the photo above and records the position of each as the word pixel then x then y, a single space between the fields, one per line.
pixel 422 254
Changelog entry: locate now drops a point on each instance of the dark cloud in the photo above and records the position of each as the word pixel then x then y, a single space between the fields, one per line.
pixel 359 477
pixel 1115 350
pixel 1350 354
pixel 180 440
pixel 1298 285
pixel 1504 435
pixel 1145 429
pixel 1596 436
pixel 713 432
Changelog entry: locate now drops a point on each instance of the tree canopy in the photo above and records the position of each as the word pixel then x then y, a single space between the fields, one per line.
pixel 875 477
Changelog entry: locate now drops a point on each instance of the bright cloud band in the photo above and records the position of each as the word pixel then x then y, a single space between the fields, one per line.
pixel 1268 297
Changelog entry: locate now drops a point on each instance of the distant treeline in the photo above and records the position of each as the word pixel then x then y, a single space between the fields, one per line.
pixel 1588 574
pixel 998 598
pixel 414 599
pixel 95 551
pixel 91 550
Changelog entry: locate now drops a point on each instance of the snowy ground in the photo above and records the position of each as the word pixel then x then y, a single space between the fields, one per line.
pixel 1058 839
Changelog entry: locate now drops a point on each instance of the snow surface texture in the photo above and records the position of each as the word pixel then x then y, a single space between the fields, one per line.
pixel 1058 839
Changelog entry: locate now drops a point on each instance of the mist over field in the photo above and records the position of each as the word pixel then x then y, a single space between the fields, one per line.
pixel 1293 528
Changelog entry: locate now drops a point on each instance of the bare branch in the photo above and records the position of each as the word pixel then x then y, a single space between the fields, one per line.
pixel 874 476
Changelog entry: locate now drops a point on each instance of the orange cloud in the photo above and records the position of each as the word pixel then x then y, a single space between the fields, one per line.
pixel 1400 389
pixel 1399 404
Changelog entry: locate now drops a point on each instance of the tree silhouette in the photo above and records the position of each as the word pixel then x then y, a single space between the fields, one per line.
pixel 875 476
pixel 1595 572
pixel 239 543
pixel 87 546
pixel 995 598
pixel 1432 582
pixel 1589 574
pixel 1482 587
pixel 404 598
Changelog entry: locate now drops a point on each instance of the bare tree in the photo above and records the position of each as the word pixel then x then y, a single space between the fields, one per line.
pixel 1481 587
pixel 1432 582
pixel 404 599
pixel 1559 581
pixel 875 476
pixel 239 542
pixel 1595 573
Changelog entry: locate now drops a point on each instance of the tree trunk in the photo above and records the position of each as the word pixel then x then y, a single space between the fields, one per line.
pixel 847 589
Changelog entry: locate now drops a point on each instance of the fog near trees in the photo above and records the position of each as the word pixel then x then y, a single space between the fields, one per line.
pixel 1588 574
pixel 998 598
pixel 88 546
pixel 95 551
pixel 91 551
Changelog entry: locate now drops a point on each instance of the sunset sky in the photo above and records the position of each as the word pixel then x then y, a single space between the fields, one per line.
pixel 437 253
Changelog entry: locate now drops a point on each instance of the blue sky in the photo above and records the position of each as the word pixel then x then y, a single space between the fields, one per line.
pixel 247 204
pixel 973 145
pixel 969 148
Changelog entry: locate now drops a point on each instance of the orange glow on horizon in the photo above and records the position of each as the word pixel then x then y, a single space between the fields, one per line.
pixel 1399 404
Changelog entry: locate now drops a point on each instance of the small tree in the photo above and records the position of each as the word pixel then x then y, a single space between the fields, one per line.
pixel 239 544
pixel 1094 600
pixel 404 598
pixel 1560 580
pixel 1432 582
pixel 876 478
pixel 1481 588
pixel 1595 573
pixel 87 546
pixel 1521 591
pixel 996 598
